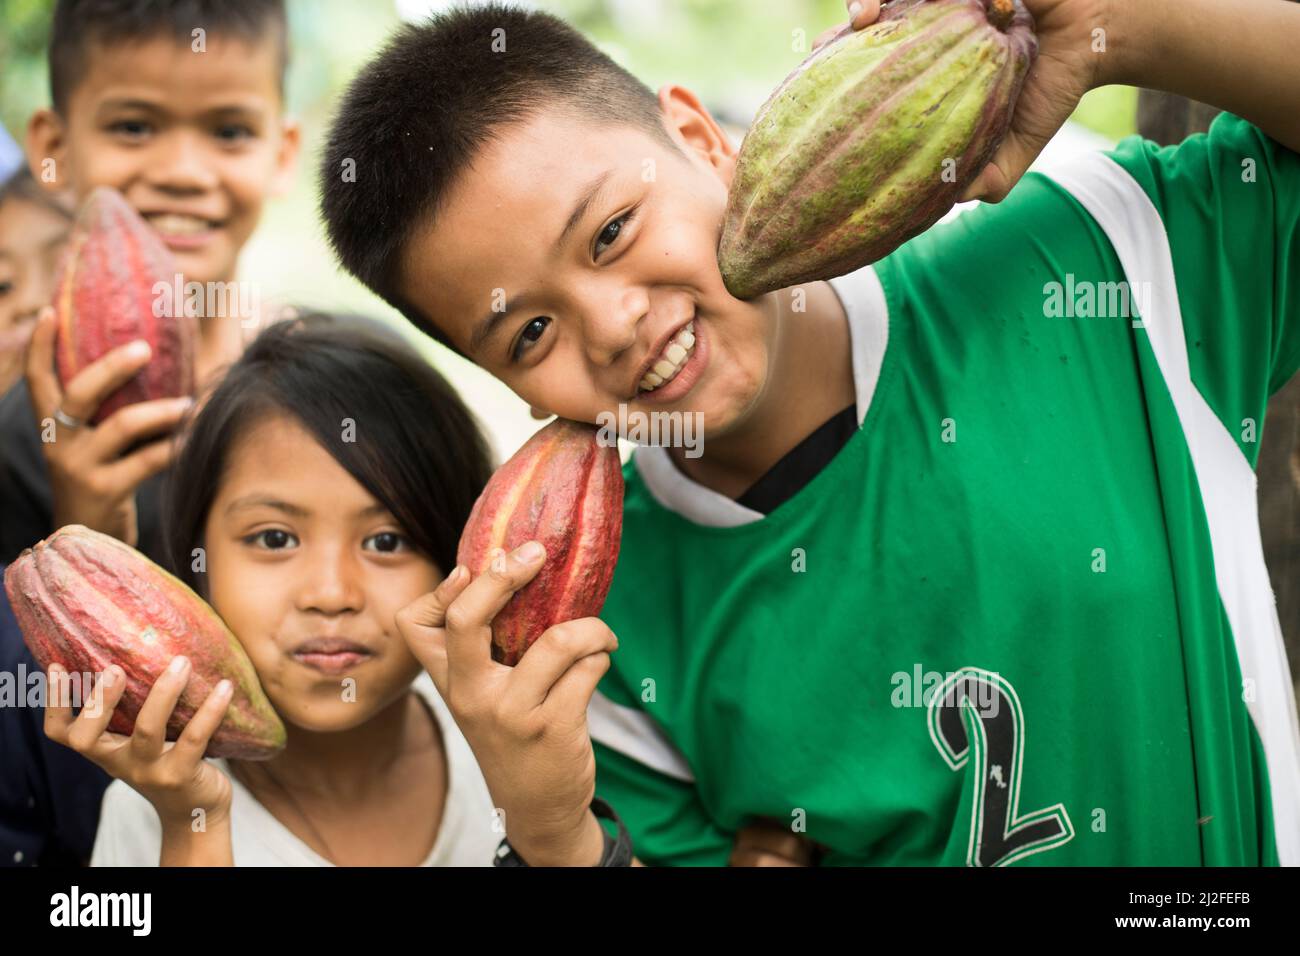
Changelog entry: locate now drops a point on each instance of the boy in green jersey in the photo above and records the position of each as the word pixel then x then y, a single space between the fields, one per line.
pixel 968 571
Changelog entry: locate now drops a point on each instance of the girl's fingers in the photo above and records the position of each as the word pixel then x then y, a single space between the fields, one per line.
pixel 97 711
pixel 468 619
pixel 421 625
pixel 102 377
pixel 150 733
pixel 42 382
pixel 193 740
pixel 563 666
pixel 58 704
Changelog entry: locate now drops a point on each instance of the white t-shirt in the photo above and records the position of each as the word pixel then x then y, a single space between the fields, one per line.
pixel 130 833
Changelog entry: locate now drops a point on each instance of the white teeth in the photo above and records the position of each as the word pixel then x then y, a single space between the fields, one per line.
pixel 674 357
pixel 175 224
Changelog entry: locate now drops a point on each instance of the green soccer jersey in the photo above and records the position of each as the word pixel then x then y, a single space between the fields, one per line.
pixel 1023 616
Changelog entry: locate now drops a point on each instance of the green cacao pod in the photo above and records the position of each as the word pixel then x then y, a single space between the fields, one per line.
pixel 872 139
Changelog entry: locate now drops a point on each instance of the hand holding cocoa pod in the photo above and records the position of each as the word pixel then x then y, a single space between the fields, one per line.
pixel 526 724
pixel 174 777
pixel 92 481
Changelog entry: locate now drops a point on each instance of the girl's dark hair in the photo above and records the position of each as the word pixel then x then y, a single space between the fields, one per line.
pixel 415 445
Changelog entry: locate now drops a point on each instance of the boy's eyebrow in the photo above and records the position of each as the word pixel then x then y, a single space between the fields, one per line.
pixel 585 200
pixel 488 325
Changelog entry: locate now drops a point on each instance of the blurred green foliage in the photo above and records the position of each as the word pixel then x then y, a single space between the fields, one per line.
pixel 731 52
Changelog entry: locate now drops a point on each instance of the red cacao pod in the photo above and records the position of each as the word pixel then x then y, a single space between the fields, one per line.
pixel 105 297
pixel 563 488
pixel 85 600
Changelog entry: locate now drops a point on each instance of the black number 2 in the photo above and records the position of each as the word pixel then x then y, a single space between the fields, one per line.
pixel 978 710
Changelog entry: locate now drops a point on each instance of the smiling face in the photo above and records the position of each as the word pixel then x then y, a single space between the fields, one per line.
pixel 601 244
pixel 309 571
pixel 196 141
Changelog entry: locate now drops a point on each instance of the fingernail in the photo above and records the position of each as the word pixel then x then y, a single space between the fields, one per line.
pixel 138 349
pixel 529 552
pixel 110 677
pixel 854 9
pixel 458 575
pixel 224 688
pixel 185 401
pixel 177 665
pixel 499 560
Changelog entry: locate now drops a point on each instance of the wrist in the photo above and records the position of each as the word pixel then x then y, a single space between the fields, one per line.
pixel 182 845
pixel 583 846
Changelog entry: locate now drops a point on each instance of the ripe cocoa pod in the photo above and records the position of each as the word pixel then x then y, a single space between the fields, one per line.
pixel 105 298
pixel 564 489
pixel 872 139
pixel 85 600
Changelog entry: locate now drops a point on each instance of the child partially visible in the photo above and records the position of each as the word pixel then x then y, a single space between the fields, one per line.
pixel 34 225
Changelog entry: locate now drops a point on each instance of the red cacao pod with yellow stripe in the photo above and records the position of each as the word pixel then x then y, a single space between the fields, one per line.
pixel 105 297
pixel 564 489
pixel 872 139
pixel 85 600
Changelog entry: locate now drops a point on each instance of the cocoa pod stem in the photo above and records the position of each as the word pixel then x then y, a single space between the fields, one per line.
pixel 1001 13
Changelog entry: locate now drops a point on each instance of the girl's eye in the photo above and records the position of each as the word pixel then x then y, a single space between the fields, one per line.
pixel 388 542
pixel 529 335
pixel 614 229
pixel 273 539
pixel 6 287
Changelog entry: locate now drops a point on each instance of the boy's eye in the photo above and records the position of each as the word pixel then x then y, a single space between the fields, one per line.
pixel 6 287
pixel 273 539
pixel 610 233
pixel 388 542
pixel 529 335
pixel 130 129
pixel 234 133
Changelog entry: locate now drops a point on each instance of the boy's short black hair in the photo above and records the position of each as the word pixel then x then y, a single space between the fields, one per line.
pixel 416 116
pixel 79 24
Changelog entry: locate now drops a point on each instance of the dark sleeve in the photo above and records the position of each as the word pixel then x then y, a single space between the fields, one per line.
pixel 49 795
pixel 26 507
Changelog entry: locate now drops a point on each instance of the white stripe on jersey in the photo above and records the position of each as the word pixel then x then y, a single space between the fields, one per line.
pixel 1227 482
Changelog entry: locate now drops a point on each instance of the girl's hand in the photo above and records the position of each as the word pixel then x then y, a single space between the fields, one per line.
pixel 91 482
pixel 174 777
pixel 769 843
pixel 527 724
pixel 1067 67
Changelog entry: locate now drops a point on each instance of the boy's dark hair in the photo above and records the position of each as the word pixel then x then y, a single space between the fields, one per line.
pixel 416 116
pixel 79 24
pixel 417 449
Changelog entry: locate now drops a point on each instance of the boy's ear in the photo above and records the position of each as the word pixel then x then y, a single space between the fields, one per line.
pixel 690 123
pixel 286 160
pixel 47 150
